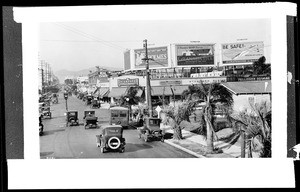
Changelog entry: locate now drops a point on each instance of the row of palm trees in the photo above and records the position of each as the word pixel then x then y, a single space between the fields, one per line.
pixel 253 127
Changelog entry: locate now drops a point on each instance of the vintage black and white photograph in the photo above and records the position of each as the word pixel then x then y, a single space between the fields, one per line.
pixel 154 96
pixel 155 89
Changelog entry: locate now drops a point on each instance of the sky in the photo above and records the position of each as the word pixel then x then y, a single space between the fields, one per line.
pixel 80 45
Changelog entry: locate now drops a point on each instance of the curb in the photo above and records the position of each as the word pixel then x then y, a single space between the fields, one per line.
pixel 184 149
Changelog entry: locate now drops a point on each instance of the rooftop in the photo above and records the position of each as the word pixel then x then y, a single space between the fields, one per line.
pixel 249 87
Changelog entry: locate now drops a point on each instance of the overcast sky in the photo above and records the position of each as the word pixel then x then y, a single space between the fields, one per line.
pixel 81 45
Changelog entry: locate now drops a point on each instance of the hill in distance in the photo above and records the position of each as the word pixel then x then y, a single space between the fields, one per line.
pixel 62 74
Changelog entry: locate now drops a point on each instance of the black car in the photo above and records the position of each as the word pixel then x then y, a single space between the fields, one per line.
pixel 72 118
pixel 111 138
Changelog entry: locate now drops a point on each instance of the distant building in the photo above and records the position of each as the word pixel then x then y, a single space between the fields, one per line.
pixel 243 93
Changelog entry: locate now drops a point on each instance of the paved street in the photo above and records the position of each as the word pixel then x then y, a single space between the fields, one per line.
pixel 60 141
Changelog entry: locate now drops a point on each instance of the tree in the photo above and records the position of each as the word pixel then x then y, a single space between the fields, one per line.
pixel 213 95
pixel 256 124
pixel 131 98
pixel 260 67
pixel 175 115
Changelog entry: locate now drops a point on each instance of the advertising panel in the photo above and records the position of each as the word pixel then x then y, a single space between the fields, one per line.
pixel 195 54
pixel 128 82
pixel 158 57
pixel 127 60
pixel 242 53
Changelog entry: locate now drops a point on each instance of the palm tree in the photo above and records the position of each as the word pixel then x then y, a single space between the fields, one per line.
pixel 131 97
pixel 257 128
pixel 213 95
pixel 175 115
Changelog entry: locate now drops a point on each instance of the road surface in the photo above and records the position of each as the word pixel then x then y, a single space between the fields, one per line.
pixel 61 142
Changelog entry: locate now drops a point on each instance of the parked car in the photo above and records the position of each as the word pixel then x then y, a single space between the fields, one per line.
pixel 89 99
pixel 90 119
pixel 46 112
pixel 151 129
pixel 111 138
pixel 95 103
pixel 72 118
pixel 41 126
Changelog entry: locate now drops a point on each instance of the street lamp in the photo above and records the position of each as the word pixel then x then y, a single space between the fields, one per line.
pixel 66 98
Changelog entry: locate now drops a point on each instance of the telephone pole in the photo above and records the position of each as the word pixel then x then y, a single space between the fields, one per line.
pixel 148 86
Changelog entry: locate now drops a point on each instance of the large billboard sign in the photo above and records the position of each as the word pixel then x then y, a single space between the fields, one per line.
pixel 195 54
pixel 241 53
pixel 158 57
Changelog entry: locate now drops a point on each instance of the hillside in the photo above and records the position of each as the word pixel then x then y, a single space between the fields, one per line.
pixel 61 74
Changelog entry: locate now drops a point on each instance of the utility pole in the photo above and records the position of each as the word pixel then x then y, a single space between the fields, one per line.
pixel 148 86
pixel 43 80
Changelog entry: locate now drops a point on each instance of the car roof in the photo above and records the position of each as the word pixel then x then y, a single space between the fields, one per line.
pixel 111 126
pixel 119 108
pixel 72 111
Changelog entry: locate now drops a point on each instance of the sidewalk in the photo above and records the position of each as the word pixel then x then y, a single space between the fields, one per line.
pixel 195 144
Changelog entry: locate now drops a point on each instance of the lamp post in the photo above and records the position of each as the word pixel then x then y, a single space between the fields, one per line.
pixel 66 98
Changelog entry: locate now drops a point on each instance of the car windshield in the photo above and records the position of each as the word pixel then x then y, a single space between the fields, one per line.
pixel 114 114
pixel 123 114
pixel 153 122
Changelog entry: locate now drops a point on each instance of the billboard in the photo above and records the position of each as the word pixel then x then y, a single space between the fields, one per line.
pixel 195 54
pixel 128 82
pixel 127 60
pixel 241 53
pixel 158 57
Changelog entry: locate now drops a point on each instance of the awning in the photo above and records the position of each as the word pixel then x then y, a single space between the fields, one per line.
pixel 178 89
pixel 157 91
pixel 103 91
pixel 249 87
pixel 117 91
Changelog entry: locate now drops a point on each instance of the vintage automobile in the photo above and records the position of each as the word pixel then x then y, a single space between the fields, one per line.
pixel 89 99
pixel 46 112
pixel 41 126
pixel 95 103
pixel 80 95
pixel 90 119
pixel 119 116
pixel 72 118
pixel 151 129
pixel 47 102
pixel 111 138
pixel 54 98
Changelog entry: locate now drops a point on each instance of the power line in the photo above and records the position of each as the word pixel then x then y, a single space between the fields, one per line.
pixel 89 36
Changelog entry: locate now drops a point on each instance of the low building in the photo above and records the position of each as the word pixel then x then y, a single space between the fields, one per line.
pixel 248 92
